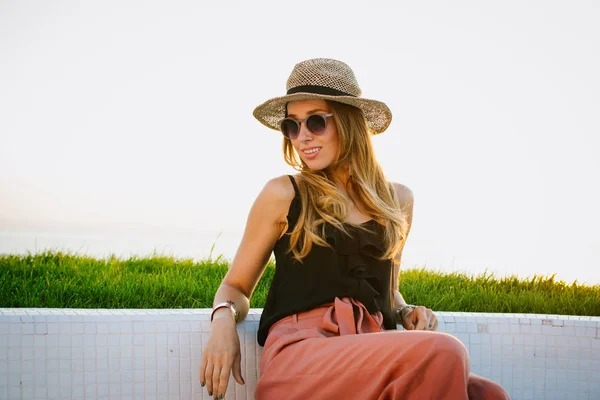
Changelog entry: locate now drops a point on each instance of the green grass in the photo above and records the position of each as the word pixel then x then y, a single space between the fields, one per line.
pixel 59 280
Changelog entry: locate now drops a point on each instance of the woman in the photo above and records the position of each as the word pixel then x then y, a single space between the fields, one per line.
pixel 337 230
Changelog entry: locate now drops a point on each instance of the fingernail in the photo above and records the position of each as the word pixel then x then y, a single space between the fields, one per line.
pixel 243 381
pixel 209 393
pixel 221 397
pixel 202 384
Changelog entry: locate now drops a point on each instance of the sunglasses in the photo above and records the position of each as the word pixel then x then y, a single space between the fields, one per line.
pixel 315 123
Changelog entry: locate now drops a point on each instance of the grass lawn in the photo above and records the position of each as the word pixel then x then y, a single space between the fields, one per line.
pixel 59 280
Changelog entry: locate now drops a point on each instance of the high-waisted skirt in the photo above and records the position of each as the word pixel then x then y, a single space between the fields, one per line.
pixel 340 351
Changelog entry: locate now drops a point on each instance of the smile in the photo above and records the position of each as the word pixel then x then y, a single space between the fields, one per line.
pixel 312 151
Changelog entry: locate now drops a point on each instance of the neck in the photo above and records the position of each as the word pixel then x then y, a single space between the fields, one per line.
pixel 340 176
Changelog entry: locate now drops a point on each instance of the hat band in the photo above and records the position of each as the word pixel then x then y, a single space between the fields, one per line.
pixel 318 90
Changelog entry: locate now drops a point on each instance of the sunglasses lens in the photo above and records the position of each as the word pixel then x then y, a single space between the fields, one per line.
pixel 289 128
pixel 316 124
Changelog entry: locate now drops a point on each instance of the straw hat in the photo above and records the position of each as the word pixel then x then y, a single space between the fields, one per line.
pixel 324 78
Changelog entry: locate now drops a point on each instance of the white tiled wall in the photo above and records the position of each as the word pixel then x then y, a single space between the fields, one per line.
pixel 155 354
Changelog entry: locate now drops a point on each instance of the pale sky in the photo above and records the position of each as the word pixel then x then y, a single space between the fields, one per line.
pixel 134 120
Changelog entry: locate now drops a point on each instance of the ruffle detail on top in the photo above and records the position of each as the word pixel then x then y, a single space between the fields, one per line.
pixel 360 252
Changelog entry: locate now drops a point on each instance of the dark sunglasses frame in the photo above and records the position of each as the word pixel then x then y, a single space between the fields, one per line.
pixel 299 122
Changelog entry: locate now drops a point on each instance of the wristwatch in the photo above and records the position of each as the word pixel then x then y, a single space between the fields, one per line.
pixel 228 304
pixel 399 311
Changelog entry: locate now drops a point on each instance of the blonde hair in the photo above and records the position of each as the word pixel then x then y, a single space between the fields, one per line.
pixel 322 202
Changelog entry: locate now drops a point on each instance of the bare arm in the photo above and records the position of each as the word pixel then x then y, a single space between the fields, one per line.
pixel 421 317
pixel 265 224
pixel 406 200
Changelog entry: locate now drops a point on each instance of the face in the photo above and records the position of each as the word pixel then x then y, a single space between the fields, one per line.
pixel 327 145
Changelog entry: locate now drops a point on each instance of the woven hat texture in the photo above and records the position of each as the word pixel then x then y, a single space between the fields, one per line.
pixel 324 78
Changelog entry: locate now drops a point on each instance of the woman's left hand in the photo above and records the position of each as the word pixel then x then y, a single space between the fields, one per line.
pixel 419 318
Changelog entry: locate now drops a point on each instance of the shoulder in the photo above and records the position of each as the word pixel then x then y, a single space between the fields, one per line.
pixel 274 200
pixel 404 194
pixel 279 188
pixel 276 197
pixel 406 200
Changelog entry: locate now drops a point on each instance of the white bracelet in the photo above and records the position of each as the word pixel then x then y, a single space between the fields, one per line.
pixel 227 304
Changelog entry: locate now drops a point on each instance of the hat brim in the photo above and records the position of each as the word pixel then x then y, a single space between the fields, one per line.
pixel 377 115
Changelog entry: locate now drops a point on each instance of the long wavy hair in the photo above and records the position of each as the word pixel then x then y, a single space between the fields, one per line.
pixel 322 202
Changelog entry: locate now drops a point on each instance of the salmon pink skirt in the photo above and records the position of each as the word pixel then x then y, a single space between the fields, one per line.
pixel 340 351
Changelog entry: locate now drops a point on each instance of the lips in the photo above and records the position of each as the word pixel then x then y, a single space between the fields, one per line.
pixel 311 152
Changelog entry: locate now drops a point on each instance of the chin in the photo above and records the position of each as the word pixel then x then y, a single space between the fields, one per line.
pixel 316 165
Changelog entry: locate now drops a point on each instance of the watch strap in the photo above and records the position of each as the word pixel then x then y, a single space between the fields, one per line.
pixel 402 308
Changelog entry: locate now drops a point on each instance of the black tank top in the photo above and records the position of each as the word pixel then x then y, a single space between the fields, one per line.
pixel 350 269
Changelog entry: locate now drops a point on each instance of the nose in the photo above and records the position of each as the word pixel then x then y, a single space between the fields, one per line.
pixel 304 134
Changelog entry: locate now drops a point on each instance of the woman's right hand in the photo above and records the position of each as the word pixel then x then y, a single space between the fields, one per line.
pixel 221 356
